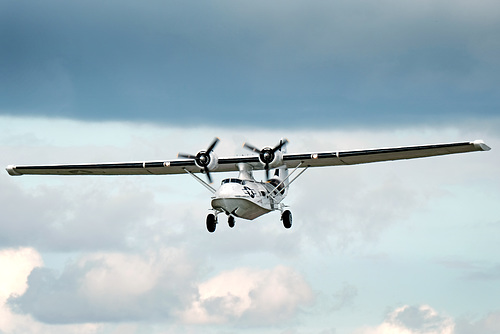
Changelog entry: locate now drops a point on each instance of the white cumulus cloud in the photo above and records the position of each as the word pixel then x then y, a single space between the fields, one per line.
pixel 103 287
pixel 253 296
pixel 16 264
pixel 161 285
pixel 413 320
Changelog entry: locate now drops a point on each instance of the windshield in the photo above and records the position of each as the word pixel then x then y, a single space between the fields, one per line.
pixel 232 181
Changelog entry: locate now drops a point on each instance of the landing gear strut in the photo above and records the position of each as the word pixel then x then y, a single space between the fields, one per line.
pixel 211 222
pixel 286 218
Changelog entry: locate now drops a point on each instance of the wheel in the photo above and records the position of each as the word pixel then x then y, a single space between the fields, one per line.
pixel 230 221
pixel 211 223
pixel 286 217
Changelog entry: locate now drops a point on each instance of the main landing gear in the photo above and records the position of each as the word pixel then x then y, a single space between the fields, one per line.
pixel 211 222
pixel 286 218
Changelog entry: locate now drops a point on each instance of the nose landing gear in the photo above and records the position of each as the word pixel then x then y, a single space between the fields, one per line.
pixel 212 222
pixel 230 221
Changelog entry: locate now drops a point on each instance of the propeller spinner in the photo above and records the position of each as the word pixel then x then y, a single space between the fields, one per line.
pixel 203 158
pixel 267 154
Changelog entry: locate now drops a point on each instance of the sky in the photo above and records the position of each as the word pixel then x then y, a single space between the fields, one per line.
pixel 401 247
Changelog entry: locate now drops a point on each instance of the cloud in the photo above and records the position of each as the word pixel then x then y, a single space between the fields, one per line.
pixel 474 271
pixel 344 297
pixel 251 297
pixel 159 286
pixel 357 207
pixel 413 320
pixel 337 64
pixel 426 320
pixel 63 218
pixel 490 324
pixel 104 287
pixel 16 265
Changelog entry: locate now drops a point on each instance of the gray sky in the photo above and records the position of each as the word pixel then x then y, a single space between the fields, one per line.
pixel 408 247
pixel 326 63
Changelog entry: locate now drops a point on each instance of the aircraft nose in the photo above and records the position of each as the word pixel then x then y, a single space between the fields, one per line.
pixel 225 191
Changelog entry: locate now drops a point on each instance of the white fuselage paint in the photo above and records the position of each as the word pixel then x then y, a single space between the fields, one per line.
pixel 247 199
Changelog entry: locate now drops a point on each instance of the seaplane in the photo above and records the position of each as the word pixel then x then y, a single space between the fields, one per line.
pixel 243 196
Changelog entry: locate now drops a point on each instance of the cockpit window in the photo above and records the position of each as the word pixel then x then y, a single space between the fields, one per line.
pixel 232 181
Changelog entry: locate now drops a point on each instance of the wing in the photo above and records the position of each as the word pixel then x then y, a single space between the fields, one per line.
pixel 381 154
pixel 179 166
pixel 108 168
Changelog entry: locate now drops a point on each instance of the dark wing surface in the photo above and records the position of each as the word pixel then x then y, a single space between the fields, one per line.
pixel 355 157
pixel 177 166
pixel 180 166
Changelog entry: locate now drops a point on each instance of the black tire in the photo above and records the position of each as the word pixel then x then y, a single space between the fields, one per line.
pixel 286 217
pixel 230 221
pixel 211 223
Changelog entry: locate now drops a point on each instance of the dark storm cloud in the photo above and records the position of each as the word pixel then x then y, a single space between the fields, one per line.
pixel 221 62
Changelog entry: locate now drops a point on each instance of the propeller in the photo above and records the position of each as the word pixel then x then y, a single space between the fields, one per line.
pixel 202 158
pixel 267 154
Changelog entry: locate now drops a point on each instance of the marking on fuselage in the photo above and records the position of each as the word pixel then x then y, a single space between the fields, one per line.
pixel 249 191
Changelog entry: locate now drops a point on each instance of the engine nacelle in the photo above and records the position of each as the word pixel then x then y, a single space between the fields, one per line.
pixel 272 158
pixel 205 160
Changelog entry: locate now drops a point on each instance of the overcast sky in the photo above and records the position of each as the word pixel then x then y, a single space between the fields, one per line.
pixel 402 247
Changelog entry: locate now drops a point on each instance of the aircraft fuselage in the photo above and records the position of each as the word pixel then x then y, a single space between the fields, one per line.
pixel 247 199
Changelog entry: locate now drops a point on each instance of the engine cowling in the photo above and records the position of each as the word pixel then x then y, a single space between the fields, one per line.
pixel 206 160
pixel 268 156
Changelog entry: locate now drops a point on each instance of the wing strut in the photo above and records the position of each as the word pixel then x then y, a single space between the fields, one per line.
pixel 206 185
pixel 295 178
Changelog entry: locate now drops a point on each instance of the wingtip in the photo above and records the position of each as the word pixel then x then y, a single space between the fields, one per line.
pixel 12 170
pixel 480 145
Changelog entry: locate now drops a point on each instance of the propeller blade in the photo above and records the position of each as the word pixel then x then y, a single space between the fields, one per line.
pixel 212 146
pixel 202 158
pixel 280 145
pixel 207 171
pixel 267 154
pixel 251 148
pixel 186 155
